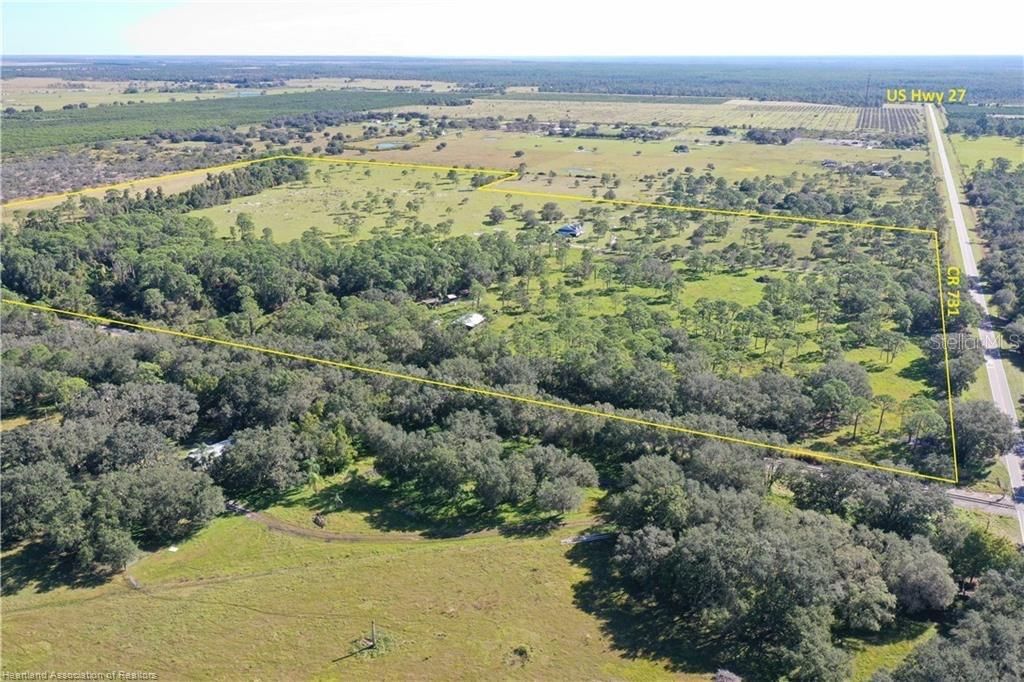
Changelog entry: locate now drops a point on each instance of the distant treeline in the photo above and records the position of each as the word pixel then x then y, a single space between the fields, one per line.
pixel 24 131
pixel 214 191
pixel 978 121
pixel 839 80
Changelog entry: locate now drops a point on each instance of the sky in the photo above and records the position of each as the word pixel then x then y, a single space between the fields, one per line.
pixel 521 28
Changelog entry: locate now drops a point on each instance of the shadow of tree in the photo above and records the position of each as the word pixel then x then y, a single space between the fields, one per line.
pixel 918 370
pixel 902 630
pixel 637 628
pixel 539 527
pixel 35 565
pixel 388 507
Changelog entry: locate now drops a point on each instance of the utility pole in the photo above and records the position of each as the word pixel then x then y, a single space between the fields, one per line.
pixel 373 634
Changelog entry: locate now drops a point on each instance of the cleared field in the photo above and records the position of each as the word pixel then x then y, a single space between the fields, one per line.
pixel 1005 526
pixel 734 159
pixel 369 84
pixel 697 115
pixel 886 652
pixel 731 113
pixel 354 202
pixel 54 93
pixel 291 607
pixel 531 95
pixel 970 151
pixel 179 182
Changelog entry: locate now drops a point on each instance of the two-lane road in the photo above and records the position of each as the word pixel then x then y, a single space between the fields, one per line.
pixel 1001 394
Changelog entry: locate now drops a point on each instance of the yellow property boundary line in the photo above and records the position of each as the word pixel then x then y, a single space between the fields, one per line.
pixel 493 186
pixel 459 387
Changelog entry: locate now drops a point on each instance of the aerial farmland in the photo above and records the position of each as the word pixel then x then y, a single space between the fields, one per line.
pixel 473 368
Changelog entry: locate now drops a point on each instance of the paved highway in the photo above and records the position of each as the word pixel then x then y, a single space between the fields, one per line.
pixel 1001 394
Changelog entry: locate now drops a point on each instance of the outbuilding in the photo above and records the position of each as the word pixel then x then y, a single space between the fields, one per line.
pixel 471 320
pixel 570 230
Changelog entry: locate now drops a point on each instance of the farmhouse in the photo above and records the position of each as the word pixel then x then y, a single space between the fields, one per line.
pixel 570 230
pixel 471 320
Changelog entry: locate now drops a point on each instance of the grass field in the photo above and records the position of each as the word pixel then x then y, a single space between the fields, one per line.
pixel 885 652
pixel 969 151
pixel 54 93
pixel 1005 526
pixel 735 113
pixel 292 209
pixel 534 96
pixel 292 607
pixel 628 160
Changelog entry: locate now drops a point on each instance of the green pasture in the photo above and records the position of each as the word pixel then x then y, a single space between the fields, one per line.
pixel 971 150
pixel 513 604
pixel 630 160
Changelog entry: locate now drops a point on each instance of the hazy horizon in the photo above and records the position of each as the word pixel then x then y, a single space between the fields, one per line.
pixel 463 29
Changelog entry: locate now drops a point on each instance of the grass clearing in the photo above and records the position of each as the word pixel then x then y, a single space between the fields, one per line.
pixel 290 607
pixel 337 195
pixel 735 113
pixel 734 160
pixel 53 93
pixel 886 651
pixel 1005 526
pixel 969 151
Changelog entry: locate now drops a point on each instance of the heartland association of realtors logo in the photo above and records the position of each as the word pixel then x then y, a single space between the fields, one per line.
pixel 83 675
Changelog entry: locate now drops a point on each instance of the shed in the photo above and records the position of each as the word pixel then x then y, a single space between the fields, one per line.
pixel 471 320
pixel 570 230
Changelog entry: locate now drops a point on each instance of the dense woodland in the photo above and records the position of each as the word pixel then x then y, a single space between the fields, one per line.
pixel 998 193
pixel 138 256
pixel 977 121
pixel 722 568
